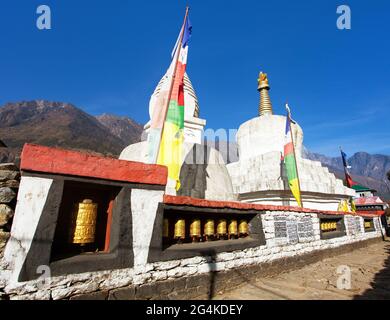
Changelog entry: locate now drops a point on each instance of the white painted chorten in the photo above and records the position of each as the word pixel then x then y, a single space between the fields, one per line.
pixel 203 173
pixel 193 125
pixel 259 175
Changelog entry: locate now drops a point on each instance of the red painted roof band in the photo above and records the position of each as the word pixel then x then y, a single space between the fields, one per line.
pixel 193 202
pixel 370 214
pixel 66 162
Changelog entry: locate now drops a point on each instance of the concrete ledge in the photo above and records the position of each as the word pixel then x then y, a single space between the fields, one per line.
pixel 205 286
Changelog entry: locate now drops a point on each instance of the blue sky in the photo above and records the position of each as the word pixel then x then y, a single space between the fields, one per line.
pixel 107 57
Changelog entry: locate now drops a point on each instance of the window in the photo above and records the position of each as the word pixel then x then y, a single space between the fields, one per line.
pixel 184 232
pixel 369 225
pixel 332 227
pixel 84 220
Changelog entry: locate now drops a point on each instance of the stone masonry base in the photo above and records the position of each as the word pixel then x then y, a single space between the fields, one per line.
pixel 205 286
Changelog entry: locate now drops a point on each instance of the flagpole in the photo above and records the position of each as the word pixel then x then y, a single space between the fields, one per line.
pixel 345 169
pixel 172 83
pixel 295 156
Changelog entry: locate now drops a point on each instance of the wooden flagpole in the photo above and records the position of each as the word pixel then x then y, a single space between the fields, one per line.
pixel 172 82
pixel 295 156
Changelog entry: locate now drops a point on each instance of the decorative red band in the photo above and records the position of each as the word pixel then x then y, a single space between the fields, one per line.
pixel 370 214
pixel 66 162
pixel 193 202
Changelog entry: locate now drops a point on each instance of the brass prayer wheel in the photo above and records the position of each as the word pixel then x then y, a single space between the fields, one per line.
pixel 209 228
pixel 180 229
pixel 84 222
pixel 222 227
pixel 195 228
pixel 243 228
pixel 233 228
pixel 166 228
pixel 328 226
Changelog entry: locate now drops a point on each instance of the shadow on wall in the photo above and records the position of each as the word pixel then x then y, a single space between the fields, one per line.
pixel 193 173
pixel 380 286
pixel 210 256
pixel 215 286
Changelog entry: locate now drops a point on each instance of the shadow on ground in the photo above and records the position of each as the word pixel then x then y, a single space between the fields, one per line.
pixel 380 286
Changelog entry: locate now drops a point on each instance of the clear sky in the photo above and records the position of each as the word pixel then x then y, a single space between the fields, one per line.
pixel 107 57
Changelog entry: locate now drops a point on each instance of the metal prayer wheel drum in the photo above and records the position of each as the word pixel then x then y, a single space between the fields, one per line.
pixel 209 228
pixel 232 230
pixel 84 223
pixel 243 228
pixel 165 228
pixel 195 228
pixel 180 229
pixel 222 227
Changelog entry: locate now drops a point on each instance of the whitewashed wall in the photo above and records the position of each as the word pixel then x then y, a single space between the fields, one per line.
pixel 305 240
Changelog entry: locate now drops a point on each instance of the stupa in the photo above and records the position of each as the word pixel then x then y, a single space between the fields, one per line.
pixel 259 175
pixel 203 173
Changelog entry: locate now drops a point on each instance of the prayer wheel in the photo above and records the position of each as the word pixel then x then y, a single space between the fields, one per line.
pixel 180 229
pixel 84 223
pixel 328 226
pixel 209 229
pixel 166 228
pixel 221 228
pixel 233 231
pixel 195 230
pixel 243 228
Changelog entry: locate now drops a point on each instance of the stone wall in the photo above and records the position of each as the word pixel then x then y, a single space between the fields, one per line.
pixel 199 276
pixel 292 235
pixel 9 184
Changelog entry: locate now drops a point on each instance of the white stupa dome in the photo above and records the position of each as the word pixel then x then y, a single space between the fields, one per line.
pixel 191 100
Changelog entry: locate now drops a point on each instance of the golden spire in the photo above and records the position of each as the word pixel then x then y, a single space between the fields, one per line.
pixel 265 106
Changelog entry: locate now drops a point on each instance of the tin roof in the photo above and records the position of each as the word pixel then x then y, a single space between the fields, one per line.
pixel 368 200
pixel 360 188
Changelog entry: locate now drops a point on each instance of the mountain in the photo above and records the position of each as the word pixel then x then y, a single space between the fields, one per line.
pixel 366 169
pixel 124 128
pixel 62 125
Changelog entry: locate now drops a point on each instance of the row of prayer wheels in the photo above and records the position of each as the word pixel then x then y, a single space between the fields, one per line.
pixel 328 226
pixel 221 229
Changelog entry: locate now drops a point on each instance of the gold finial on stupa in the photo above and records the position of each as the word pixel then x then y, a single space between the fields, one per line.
pixel 263 80
pixel 265 106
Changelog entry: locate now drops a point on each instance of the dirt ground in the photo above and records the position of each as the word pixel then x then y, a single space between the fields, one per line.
pixel 370 279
